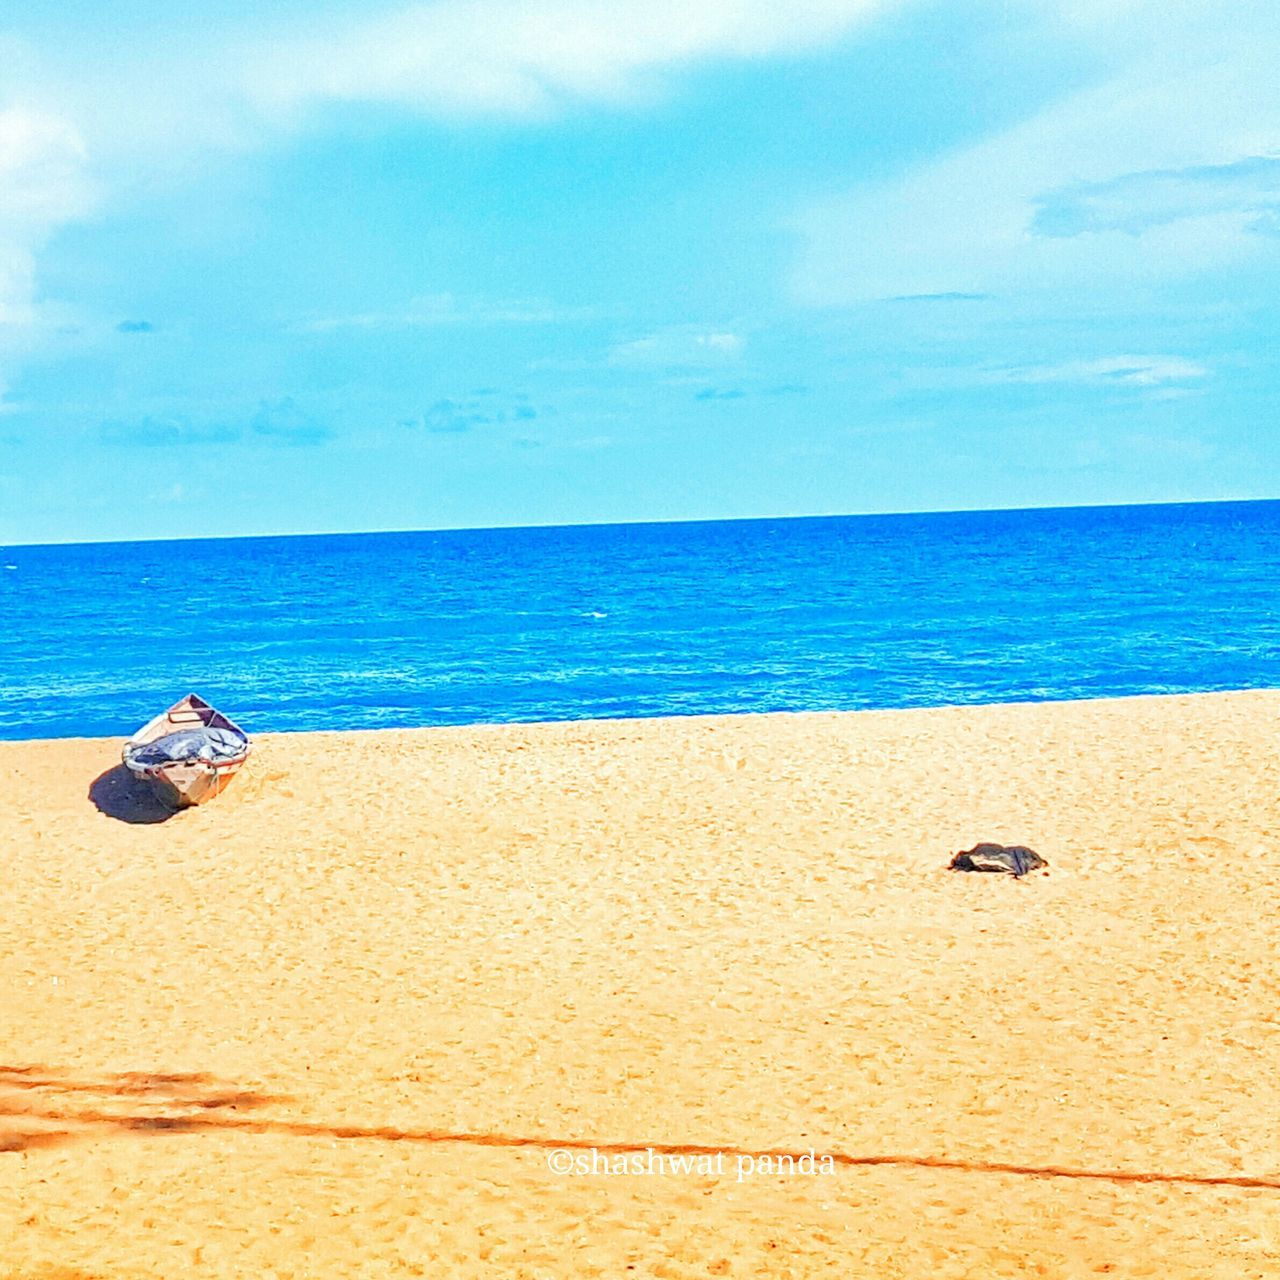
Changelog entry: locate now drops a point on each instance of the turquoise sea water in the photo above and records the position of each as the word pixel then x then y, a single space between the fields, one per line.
pixel 377 630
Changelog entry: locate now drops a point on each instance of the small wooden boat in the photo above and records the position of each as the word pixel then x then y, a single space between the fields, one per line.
pixel 188 754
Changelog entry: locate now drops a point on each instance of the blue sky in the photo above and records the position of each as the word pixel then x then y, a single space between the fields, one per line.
pixel 484 262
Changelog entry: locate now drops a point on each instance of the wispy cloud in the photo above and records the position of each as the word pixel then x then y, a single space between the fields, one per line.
pixel 285 422
pixel 1135 202
pixel 444 309
pixel 1124 371
pixel 43 185
pixel 1149 175
pixel 482 409
pixel 720 393
pixel 171 495
pixel 532 59
pixel 739 391
pixel 279 422
pixel 160 432
pixel 678 348
pixel 939 297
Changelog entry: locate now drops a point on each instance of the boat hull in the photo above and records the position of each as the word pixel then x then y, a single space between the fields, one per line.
pixel 182 786
pixel 181 783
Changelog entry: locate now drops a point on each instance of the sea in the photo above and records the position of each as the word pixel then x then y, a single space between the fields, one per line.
pixel 370 631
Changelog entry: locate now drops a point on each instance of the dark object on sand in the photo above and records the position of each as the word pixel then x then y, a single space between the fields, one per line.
pixel 1012 859
pixel 188 754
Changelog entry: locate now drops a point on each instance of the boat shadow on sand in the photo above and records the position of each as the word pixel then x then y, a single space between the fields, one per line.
pixel 119 795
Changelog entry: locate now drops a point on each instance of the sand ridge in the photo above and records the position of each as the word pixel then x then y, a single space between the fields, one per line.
pixel 337 1022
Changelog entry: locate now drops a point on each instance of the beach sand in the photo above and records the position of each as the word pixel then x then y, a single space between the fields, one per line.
pixel 338 1021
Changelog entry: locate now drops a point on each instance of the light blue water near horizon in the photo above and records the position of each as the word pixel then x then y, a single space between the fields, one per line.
pixel 362 631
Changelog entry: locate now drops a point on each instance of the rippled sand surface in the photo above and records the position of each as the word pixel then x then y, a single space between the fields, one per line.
pixel 351 1018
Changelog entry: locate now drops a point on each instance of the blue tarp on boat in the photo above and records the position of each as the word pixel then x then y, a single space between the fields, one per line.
pixel 213 746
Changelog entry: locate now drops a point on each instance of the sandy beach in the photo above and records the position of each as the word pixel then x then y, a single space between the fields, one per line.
pixel 363 1014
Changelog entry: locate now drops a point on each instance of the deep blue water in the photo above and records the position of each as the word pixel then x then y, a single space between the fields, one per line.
pixel 373 630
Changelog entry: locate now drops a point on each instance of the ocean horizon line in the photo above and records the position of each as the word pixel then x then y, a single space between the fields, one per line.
pixel 645 523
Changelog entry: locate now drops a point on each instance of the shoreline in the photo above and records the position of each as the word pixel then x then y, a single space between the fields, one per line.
pixel 729 716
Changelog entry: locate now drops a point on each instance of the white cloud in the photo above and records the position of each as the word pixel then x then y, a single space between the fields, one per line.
pixel 168 92
pixel 515 58
pixel 147 111
pixel 1189 99
pixel 42 185
pixel 678 349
